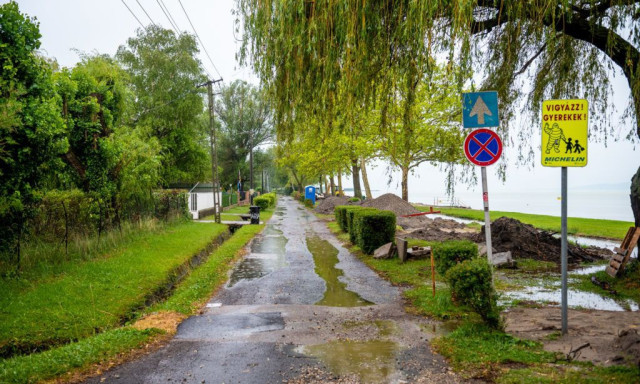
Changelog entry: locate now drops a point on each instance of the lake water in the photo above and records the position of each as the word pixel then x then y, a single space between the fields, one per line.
pixel 590 203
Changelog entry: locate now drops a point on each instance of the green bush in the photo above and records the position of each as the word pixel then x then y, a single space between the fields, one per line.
pixel 272 198
pixel 354 199
pixel 351 228
pixel 339 212
pixel 452 252
pixel 288 191
pixel 308 203
pixel 470 283
pixel 262 202
pixel 372 228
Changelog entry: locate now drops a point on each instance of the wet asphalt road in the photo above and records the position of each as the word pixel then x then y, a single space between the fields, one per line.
pixel 263 326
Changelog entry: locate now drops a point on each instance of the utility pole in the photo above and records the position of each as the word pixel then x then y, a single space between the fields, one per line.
pixel 214 151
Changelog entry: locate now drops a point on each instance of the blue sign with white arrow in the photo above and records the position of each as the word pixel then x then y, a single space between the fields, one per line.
pixel 480 109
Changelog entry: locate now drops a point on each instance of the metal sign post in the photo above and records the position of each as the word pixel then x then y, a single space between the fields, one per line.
pixel 564 144
pixel 563 251
pixel 487 218
pixel 483 147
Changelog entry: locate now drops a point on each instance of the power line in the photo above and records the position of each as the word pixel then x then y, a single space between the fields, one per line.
pixel 175 29
pixel 145 12
pixel 133 14
pixel 171 16
pixel 200 40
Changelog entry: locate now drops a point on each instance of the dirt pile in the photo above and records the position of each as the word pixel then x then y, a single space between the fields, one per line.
pixel 393 203
pixel 525 241
pixel 327 205
pixel 438 229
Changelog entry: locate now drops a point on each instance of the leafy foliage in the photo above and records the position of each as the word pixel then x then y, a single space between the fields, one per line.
pixel 470 283
pixel 31 129
pixel 450 253
pixel 165 73
pixel 373 228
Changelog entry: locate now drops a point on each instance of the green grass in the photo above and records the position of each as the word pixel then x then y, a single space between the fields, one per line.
pixel 94 296
pixel 195 290
pixel 233 214
pixel 188 298
pixel 610 229
pixel 58 361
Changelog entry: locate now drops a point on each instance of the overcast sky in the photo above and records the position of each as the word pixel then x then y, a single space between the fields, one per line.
pixel 102 26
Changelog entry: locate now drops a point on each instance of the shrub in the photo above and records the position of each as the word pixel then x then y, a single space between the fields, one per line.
pixel 288 191
pixel 354 199
pixel 296 195
pixel 350 216
pixel 372 228
pixel 452 252
pixel 272 198
pixel 308 203
pixel 340 212
pixel 470 283
pixel 262 202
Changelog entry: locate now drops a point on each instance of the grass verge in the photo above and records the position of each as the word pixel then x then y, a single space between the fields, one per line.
pixel 62 360
pixel 94 296
pixel 188 298
pixel 473 349
pixel 609 229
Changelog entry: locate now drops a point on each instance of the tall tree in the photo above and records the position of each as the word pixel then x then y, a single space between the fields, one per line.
pixel 31 128
pixel 426 129
pixel 165 74
pixel 245 118
pixel 565 49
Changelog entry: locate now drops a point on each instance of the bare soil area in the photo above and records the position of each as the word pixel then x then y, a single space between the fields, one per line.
pixel 602 337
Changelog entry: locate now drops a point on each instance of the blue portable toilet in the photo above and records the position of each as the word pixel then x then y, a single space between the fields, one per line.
pixel 310 193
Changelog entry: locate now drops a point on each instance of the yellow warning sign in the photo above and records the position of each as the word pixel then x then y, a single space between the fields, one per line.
pixel 564 133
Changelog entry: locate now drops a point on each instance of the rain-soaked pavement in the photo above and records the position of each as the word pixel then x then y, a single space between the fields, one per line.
pixel 298 308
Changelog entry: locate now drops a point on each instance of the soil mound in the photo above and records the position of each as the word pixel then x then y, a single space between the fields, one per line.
pixel 327 205
pixel 391 202
pixel 438 229
pixel 525 241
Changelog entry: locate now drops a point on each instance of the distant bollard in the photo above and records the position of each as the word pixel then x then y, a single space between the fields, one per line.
pixel 254 211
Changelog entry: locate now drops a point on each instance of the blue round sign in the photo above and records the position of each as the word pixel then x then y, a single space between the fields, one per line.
pixel 483 147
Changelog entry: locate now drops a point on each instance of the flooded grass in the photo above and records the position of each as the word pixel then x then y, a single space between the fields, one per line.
pixel 325 257
pixel 371 361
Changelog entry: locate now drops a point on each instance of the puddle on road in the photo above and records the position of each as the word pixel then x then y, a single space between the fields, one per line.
pixel 371 361
pixel 325 256
pixel 267 255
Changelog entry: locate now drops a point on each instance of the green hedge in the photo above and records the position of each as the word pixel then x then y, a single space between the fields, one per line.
pixel 470 283
pixel 452 252
pixel 262 202
pixel 341 214
pixel 272 198
pixel 351 228
pixel 372 228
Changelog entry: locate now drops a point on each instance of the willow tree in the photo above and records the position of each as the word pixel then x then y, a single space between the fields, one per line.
pixel 424 130
pixel 557 48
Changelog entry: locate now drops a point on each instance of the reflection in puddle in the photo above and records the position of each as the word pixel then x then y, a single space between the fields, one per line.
pixel 371 361
pixel 575 299
pixel 267 255
pixel 440 328
pixel 325 256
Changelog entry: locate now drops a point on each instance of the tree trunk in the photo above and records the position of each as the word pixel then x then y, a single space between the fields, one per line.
pixel 355 174
pixel 405 183
pixel 326 185
pixel 365 179
pixel 332 185
pixel 320 184
pixel 340 184
pixel 635 198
